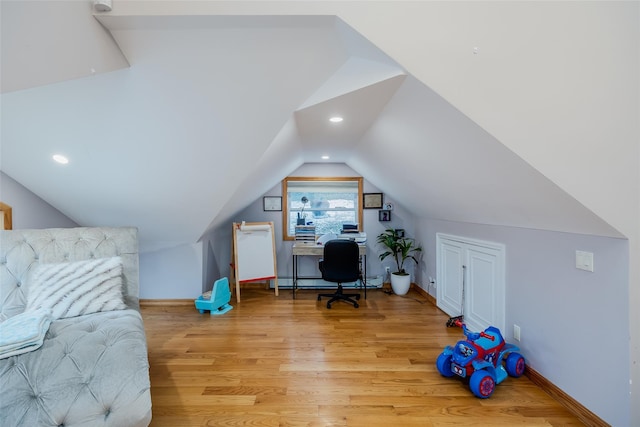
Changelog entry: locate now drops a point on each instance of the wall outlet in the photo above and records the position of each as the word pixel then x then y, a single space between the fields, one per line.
pixel 516 332
pixel 584 260
pixel 387 269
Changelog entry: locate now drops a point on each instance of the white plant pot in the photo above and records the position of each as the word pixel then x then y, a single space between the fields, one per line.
pixel 400 283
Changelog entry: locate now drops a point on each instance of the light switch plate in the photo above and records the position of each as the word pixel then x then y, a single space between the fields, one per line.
pixel 584 260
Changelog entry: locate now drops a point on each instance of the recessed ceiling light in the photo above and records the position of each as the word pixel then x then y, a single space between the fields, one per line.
pixel 336 119
pixel 325 157
pixel 60 159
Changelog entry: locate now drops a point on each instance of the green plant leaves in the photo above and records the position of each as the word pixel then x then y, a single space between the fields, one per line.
pixel 401 248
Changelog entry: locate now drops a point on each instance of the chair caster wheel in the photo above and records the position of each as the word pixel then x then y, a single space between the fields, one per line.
pixel 356 305
pixel 328 305
pixel 357 297
pixel 319 298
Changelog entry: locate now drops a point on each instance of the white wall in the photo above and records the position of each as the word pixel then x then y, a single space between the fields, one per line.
pixel 174 273
pixel 218 242
pixel 29 210
pixel 574 323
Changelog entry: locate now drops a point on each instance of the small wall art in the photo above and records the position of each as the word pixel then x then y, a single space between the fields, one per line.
pixel 372 200
pixel 272 203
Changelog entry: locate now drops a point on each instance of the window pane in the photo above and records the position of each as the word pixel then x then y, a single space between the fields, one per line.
pixel 327 211
pixel 328 204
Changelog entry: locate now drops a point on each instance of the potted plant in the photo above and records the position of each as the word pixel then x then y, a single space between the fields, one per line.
pixel 401 249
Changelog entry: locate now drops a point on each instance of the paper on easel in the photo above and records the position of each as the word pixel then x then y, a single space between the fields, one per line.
pixel 259 227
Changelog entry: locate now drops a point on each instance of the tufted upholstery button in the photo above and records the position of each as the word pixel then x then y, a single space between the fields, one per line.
pixel 110 356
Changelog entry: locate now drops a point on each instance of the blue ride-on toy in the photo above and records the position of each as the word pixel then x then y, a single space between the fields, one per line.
pixel 484 358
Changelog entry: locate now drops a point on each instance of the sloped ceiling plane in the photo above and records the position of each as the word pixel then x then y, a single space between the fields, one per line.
pixel 173 122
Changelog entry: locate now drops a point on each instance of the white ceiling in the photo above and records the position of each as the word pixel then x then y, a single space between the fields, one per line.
pixel 173 123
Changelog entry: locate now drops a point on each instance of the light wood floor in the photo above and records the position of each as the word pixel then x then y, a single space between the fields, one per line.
pixel 275 361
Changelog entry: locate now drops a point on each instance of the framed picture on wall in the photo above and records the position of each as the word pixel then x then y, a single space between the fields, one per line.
pixel 272 203
pixel 372 200
pixel 384 215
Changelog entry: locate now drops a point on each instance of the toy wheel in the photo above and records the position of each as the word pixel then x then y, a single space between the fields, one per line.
pixel 482 384
pixel 515 365
pixel 443 363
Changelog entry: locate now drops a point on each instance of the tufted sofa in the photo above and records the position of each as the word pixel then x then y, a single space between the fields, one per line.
pixel 91 370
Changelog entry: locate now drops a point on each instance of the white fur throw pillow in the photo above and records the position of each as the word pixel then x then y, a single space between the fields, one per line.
pixel 75 288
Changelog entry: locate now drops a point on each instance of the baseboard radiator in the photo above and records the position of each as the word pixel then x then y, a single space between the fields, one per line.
pixel 287 283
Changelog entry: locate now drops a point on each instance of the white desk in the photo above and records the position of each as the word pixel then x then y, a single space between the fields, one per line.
pixel 305 249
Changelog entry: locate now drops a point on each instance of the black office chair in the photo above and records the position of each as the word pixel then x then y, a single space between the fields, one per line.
pixel 340 264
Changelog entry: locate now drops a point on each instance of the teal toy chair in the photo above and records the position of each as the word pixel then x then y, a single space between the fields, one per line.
pixel 217 300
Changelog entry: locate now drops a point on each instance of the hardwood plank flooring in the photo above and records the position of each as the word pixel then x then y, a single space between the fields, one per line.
pixel 275 361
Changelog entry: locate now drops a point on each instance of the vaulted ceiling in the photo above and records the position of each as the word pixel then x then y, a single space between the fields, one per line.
pixel 174 122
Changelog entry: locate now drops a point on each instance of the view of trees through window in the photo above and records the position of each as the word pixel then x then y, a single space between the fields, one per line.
pixel 327 211
pixel 326 204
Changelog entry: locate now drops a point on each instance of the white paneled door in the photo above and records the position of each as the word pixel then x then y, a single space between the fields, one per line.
pixel 471 272
pixel 450 276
